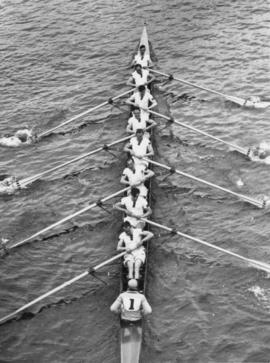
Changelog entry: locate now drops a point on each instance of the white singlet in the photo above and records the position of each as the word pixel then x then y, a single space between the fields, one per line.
pixel 135 178
pixel 139 149
pixel 136 124
pixel 138 209
pixel 143 61
pixel 140 79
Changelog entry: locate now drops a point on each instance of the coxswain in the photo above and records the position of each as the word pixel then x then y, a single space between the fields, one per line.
pixel 136 122
pixel 135 207
pixel 139 146
pixel 21 137
pixel 142 99
pixel 140 77
pixel 142 58
pixel 9 185
pixel 136 177
pixel 131 305
pixel 131 240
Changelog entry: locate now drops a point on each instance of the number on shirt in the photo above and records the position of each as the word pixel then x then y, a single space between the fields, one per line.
pixel 131 307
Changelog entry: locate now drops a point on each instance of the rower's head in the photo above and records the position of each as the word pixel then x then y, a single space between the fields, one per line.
pixel 130 163
pixel 141 88
pixel 142 49
pixel 134 192
pixel 126 226
pixel 133 284
pixel 138 67
pixel 139 134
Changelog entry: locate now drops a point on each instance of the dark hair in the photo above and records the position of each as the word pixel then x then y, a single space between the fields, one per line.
pixel 126 224
pixel 141 88
pixel 134 192
pixel 139 131
pixel 142 46
pixel 138 64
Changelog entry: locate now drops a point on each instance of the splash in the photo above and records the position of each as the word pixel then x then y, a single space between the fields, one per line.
pixel 262 295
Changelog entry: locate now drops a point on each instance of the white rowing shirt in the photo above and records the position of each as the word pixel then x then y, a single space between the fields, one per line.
pixel 142 102
pixel 136 124
pixel 136 207
pixel 144 60
pixel 132 305
pixel 131 241
pixel 140 79
pixel 135 178
pixel 140 149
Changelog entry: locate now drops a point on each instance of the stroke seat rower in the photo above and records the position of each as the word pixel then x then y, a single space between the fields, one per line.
pixel 138 147
pixel 143 100
pixel 21 137
pixel 135 207
pixel 142 58
pixel 131 304
pixel 131 240
pixel 136 176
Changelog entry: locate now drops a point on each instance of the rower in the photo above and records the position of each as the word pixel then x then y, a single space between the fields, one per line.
pixel 140 77
pixel 142 99
pixel 21 137
pixel 136 122
pixel 135 207
pixel 139 146
pixel 131 304
pixel 142 58
pixel 131 240
pixel 135 176
pixel 9 185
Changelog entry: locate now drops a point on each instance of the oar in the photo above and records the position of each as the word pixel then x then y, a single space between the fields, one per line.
pixel 108 102
pixel 90 271
pixel 255 202
pixel 236 147
pixel 259 265
pixel 238 100
pixel 93 205
pixel 32 178
pixel 24 182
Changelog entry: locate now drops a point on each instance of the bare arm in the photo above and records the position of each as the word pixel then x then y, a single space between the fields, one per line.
pixel 124 180
pixel 150 151
pixel 146 308
pixel 131 82
pixel 146 236
pixel 148 174
pixel 116 306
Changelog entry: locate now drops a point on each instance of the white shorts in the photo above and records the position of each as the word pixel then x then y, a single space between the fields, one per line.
pixel 135 223
pixel 138 254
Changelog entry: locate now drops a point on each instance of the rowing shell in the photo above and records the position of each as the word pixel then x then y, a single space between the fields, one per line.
pixel 131 333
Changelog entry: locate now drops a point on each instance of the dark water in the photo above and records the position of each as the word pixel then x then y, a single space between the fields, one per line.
pixel 59 58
